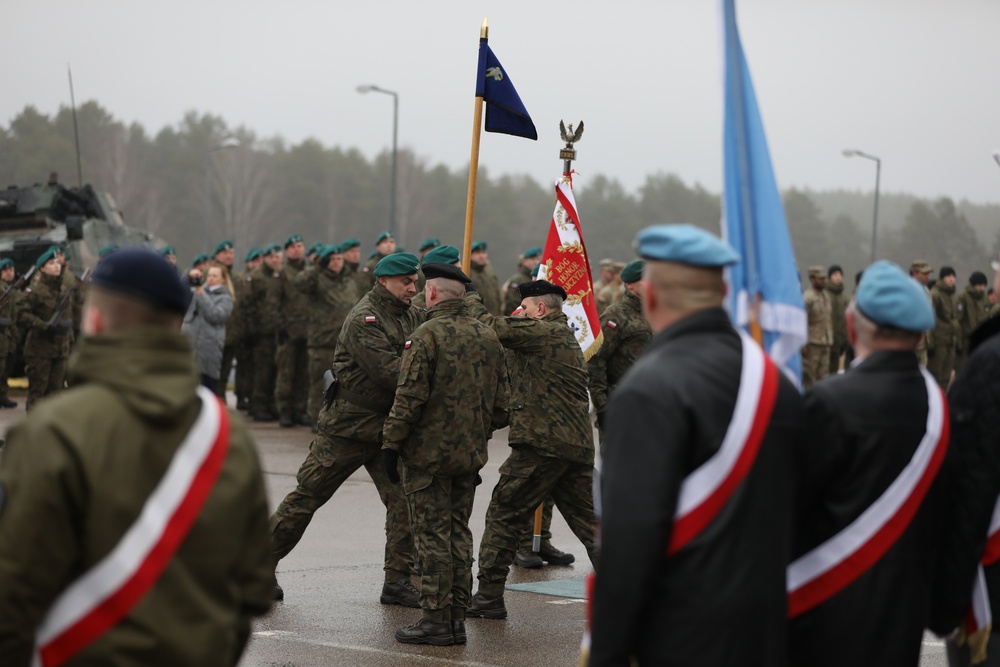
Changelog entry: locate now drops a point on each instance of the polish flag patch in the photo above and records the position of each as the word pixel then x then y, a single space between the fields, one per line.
pixel 612 324
pixel 407 345
pixel 369 319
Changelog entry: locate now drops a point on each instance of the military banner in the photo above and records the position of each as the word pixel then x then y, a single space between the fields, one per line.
pixel 565 263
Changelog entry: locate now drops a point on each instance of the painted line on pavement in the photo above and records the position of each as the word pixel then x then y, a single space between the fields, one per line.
pixel 292 637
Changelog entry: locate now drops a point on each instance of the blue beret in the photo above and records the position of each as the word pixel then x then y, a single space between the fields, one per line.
pixel 533 252
pixel 684 244
pixel 107 250
pixel 253 254
pixel 478 245
pixel 397 264
pixel 5 262
pixel 889 297
pixel 443 254
pixel 383 236
pixel 432 242
pixel 223 245
pixel 45 256
pixel 168 250
pixel 328 250
pixel 200 259
pixel 294 238
pixel 143 274
pixel 633 271
pixel 350 243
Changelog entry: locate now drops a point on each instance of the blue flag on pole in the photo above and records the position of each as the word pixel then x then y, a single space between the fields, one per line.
pixel 504 111
pixel 764 287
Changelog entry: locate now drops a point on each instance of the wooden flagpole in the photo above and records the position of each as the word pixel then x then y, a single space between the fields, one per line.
pixel 470 201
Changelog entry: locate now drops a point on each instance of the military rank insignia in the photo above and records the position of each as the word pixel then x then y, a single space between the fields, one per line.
pixel 612 324
pixel 369 319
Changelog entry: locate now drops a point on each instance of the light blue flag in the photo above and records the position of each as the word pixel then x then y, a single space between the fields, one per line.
pixel 765 285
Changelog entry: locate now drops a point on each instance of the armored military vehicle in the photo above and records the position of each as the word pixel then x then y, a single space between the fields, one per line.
pixel 34 218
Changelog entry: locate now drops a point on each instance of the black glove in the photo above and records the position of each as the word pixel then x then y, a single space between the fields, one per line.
pixel 931 352
pixel 479 479
pixel 600 420
pixel 390 459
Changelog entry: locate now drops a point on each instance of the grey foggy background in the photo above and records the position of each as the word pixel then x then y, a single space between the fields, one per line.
pixel 910 81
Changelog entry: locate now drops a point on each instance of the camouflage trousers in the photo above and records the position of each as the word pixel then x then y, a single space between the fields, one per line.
pixel 291 390
pixel 942 364
pixel 528 537
pixel 439 510
pixel 330 462
pixel 226 365
pixel 265 370
pixel 526 479
pixel 244 368
pixel 46 376
pixel 815 364
pixel 320 361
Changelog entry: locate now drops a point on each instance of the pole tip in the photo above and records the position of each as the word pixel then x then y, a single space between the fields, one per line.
pixel 484 31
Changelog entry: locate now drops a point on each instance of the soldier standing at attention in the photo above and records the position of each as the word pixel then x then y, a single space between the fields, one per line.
pixel 551 440
pixel 8 328
pixel 292 385
pixel 264 295
pixel 483 277
pixel 693 554
pixel 611 291
pixel 920 271
pixel 944 340
pixel 242 323
pixel 352 257
pixel 972 307
pixel 47 345
pixel 443 254
pixel 816 353
pixel 366 365
pixel 134 491
pixel 838 304
pixel 511 298
pixel 452 395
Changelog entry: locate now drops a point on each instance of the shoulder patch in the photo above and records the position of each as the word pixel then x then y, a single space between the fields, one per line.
pixel 407 345
pixel 370 319
pixel 612 324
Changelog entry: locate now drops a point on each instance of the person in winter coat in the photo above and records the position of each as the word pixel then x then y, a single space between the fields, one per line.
pixel 205 324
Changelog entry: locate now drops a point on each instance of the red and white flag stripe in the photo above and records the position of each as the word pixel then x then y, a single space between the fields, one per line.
pixel 829 568
pixel 707 489
pixel 980 614
pixel 107 592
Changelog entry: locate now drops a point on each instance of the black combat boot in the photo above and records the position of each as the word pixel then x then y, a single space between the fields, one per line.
pixel 427 632
pixel 525 557
pixel 278 593
pixel 7 403
pixel 402 593
pixel 458 629
pixel 487 606
pixel 552 555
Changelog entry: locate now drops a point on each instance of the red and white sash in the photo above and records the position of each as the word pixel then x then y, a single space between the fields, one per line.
pixel 980 615
pixel 707 489
pixel 107 592
pixel 823 572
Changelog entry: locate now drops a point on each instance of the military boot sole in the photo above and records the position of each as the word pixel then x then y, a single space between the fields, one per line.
pixel 495 614
pixel 446 640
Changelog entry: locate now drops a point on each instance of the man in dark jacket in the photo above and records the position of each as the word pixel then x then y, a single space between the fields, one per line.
pixel 693 554
pixel 870 497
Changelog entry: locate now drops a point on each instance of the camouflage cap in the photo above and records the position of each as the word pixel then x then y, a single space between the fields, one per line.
pixel 397 264
pixel 920 266
pixel 432 242
pixel 817 272
pixel 633 271
pixel 443 254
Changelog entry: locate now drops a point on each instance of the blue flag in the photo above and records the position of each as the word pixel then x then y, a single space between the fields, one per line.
pixel 765 285
pixel 504 111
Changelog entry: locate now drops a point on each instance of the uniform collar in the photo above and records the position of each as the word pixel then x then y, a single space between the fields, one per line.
pixel 448 307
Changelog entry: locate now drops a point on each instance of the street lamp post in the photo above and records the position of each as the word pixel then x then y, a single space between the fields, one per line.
pixel 878 175
pixel 395 133
pixel 228 142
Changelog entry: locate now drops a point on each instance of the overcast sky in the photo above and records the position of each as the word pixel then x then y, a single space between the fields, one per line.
pixel 911 81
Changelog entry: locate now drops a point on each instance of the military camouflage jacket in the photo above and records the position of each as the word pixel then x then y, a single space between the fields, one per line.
pixel 946 330
pixel 361 276
pixel 511 297
pixel 972 307
pixel 549 407
pixel 330 297
pixel 237 326
pixel 838 304
pixel 39 305
pixel 486 284
pixel 452 393
pixel 626 334
pixel 819 313
pixel 295 303
pixel 367 364
pixel 265 292
pixel 8 320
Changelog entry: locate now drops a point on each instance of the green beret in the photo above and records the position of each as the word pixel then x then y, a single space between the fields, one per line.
pixel 432 242
pixel 294 238
pixel 383 236
pixel 443 254
pixel 633 271
pixel 271 249
pixel 253 254
pixel 5 262
pixel 200 259
pixel 314 247
pixel 167 250
pixel 478 245
pixel 44 257
pixel 531 253
pixel 399 249
pixel 329 250
pixel 107 250
pixel 223 245
pixel 397 264
pixel 350 243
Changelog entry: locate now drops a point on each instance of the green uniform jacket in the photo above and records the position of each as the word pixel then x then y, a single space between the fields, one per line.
pixel 973 307
pixel 838 304
pixel 264 296
pixel 452 393
pixel 626 334
pixel 511 297
pixel 946 330
pixel 486 284
pixel 367 364
pixel 39 305
pixel 330 296
pixel 363 280
pixel 75 475
pixel 8 329
pixel 296 306
pixel 550 409
pixel 819 312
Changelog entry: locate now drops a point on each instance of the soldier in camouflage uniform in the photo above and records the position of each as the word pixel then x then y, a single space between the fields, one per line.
pixel 8 327
pixel 973 310
pixel 920 271
pixel 816 353
pixel 511 298
pixel 352 257
pixel 331 293
pixel 264 295
pixel 452 394
pixel 292 385
pixel 838 307
pixel 366 365
pixel 426 246
pixel 611 290
pixel 239 329
pixel 47 346
pixel 385 245
pixel 552 444
pixel 944 339
pixel 483 277
pixel 443 254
